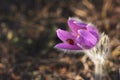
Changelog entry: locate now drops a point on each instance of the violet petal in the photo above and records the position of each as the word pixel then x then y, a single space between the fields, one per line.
pixel 67 46
pixel 75 24
pixel 86 39
pixel 93 30
pixel 64 35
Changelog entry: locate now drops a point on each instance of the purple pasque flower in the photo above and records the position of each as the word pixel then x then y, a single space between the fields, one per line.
pixel 82 36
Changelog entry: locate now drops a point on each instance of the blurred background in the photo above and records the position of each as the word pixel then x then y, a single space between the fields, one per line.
pixel 28 35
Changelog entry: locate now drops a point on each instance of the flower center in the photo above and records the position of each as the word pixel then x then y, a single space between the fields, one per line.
pixel 84 28
pixel 70 41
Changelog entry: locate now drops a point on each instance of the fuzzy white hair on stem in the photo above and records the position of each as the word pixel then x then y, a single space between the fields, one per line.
pixel 99 54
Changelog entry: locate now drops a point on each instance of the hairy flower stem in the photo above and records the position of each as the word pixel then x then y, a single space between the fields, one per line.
pixel 98 70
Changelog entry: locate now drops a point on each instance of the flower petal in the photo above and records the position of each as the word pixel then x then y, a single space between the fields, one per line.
pixel 67 46
pixel 64 35
pixel 93 30
pixel 75 24
pixel 86 39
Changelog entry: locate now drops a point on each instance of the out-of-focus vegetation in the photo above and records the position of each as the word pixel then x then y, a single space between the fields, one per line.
pixel 28 36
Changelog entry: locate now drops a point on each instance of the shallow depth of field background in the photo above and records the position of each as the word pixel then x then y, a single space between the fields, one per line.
pixel 28 35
